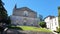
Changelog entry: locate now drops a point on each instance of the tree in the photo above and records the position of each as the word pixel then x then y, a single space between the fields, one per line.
pixel 3 16
pixel 58 19
pixel 58 30
pixel 59 15
pixel 3 12
pixel 8 20
pixel 41 17
pixel 42 24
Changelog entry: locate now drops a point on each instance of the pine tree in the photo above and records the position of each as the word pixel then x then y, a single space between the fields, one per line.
pixel 3 12
pixel 3 16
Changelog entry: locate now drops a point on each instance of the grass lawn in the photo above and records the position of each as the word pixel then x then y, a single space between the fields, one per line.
pixel 30 28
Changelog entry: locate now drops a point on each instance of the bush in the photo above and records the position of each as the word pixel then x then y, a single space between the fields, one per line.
pixel 42 24
pixel 58 30
pixel 10 27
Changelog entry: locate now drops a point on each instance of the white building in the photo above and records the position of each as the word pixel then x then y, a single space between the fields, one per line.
pixel 52 22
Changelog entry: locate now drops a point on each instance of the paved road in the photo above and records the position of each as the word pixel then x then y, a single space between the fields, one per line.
pixel 14 31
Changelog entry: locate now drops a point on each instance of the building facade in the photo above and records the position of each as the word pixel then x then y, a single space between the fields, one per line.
pixel 24 16
pixel 52 22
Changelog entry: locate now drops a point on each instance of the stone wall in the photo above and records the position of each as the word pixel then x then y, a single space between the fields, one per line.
pixel 18 20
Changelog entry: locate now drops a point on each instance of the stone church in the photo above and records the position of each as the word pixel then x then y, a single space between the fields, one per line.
pixel 24 17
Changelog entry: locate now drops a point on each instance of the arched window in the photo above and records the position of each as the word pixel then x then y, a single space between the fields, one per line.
pixel 25 13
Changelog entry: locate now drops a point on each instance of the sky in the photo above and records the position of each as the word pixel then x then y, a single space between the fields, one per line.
pixel 42 7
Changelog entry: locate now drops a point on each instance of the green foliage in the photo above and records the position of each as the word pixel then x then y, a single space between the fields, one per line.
pixel 4 19
pixel 42 24
pixel 19 28
pixel 31 28
pixel 59 15
pixel 8 20
pixel 3 13
pixel 58 30
pixel 59 7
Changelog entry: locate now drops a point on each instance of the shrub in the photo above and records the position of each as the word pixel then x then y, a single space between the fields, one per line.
pixel 14 27
pixel 58 30
pixel 42 24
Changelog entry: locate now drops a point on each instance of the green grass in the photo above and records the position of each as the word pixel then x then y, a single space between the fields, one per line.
pixel 30 28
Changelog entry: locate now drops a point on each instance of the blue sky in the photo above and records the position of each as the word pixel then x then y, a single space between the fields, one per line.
pixel 43 7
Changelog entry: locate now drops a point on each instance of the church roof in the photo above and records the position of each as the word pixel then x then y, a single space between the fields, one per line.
pixel 25 8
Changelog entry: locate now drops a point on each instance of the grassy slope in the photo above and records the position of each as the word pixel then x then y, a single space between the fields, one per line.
pixel 34 28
